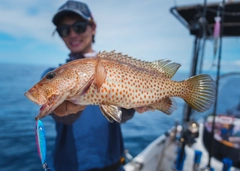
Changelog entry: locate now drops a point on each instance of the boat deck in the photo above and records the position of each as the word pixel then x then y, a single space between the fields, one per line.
pixel 161 154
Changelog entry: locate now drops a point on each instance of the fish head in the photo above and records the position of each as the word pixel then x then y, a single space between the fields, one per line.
pixel 52 90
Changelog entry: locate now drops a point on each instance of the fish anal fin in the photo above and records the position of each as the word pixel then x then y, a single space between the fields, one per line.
pixel 111 112
pixel 99 75
pixel 167 105
pixel 143 109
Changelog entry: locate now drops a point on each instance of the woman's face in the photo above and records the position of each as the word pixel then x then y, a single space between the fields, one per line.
pixel 78 42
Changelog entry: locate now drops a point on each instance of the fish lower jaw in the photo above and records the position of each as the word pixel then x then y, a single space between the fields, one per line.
pixel 43 107
pixel 33 99
pixel 42 111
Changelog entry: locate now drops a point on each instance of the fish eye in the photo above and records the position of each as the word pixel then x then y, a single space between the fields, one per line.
pixel 50 75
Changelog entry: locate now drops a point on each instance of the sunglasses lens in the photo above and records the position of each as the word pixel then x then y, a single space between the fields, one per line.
pixel 80 27
pixel 63 31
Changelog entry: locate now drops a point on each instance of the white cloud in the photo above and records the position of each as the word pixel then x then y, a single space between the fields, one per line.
pixel 237 62
pixel 142 29
pixel 113 17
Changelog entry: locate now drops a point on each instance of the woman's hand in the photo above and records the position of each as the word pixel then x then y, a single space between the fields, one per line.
pixel 67 108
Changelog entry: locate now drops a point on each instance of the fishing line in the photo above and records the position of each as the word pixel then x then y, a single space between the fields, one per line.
pixel 175 2
pixel 203 23
pixel 217 83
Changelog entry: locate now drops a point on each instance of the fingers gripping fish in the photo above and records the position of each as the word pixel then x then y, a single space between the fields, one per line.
pixel 112 80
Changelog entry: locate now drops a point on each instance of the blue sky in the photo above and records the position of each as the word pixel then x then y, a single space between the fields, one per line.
pixel 143 29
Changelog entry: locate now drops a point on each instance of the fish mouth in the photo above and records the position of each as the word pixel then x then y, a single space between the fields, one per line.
pixel 44 106
pixel 43 111
pixel 47 108
pixel 33 99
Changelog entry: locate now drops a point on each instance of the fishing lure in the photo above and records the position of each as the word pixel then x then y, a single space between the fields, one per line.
pixel 41 143
pixel 216 33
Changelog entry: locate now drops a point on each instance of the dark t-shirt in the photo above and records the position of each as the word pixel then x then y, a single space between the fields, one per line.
pixel 88 141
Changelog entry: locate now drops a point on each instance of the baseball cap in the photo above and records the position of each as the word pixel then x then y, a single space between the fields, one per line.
pixel 76 7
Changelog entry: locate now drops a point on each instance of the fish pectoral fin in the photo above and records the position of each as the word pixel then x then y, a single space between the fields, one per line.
pixel 99 75
pixel 166 105
pixel 112 112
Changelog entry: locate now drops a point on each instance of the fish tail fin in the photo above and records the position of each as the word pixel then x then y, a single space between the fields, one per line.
pixel 200 92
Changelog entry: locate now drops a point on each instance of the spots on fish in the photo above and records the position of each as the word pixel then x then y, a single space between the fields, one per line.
pixel 130 87
pixel 128 83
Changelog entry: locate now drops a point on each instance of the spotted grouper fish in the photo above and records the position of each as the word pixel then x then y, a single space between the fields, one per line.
pixel 114 81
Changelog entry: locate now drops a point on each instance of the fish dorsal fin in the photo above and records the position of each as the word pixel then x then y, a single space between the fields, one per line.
pixel 112 112
pixel 164 67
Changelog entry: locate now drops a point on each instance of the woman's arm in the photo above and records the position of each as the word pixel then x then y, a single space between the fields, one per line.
pixel 127 114
pixel 67 112
pixel 68 120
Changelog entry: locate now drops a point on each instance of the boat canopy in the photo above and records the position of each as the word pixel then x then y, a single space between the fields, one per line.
pixel 189 16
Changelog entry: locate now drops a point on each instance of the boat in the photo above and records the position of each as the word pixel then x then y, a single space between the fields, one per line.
pixel 213 142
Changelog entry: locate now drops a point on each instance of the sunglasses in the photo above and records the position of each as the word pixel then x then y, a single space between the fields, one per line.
pixel 79 27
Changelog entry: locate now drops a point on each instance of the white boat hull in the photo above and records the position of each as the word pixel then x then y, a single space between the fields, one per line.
pixel 161 154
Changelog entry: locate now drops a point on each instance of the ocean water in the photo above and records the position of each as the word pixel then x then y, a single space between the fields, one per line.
pixel 17 137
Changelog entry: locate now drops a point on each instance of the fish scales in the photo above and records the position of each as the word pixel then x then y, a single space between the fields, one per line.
pixel 128 87
pixel 114 81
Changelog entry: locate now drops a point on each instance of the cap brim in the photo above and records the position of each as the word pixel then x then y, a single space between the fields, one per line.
pixel 57 17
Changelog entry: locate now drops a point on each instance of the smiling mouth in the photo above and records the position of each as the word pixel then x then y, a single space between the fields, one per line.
pixel 75 43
